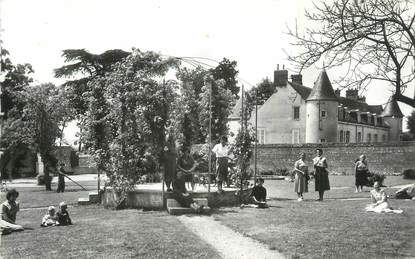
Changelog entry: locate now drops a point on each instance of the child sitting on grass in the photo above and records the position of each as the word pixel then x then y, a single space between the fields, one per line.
pixel 63 215
pixel 50 219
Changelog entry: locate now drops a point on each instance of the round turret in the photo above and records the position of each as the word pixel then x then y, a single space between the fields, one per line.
pixel 322 115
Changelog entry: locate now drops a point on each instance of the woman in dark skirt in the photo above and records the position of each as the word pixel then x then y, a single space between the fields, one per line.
pixel 170 160
pixel 361 171
pixel 322 183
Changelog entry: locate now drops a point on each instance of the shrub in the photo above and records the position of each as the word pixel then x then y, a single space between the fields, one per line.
pixel 376 177
pixel 409 174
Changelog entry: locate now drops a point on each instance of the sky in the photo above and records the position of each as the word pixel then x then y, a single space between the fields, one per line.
pixel 251 32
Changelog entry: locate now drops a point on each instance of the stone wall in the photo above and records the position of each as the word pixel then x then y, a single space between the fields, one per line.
pixel 382 157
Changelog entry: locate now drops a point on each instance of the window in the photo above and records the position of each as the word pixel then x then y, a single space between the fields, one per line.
pixel 347 137
pixel 323 140
pixel 369 137
pixel 384 138
pixel 261 136
pixel 296 113
pixel 341 136
pixel 375 138
pixel 359 137
pixel 323 114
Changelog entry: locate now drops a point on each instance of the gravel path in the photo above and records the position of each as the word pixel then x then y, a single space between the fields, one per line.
pixel 228 243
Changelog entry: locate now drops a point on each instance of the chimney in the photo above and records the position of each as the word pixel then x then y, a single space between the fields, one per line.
pixel 352 94
pixel 280 77
pixel 361 99
pixel 337 92
pixel 297 79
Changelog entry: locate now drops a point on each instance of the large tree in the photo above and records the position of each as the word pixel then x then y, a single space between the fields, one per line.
pixel 373 39
pixel 411 123
pixel 16 78
pixel 36 124
pixel 82 67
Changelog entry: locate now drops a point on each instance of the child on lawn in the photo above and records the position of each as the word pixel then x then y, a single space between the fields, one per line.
pixel 63 215
pixel 50 219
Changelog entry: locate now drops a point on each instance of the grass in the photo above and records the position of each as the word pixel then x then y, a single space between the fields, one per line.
pixel 101 233
pixel 97 232
pixel 334 228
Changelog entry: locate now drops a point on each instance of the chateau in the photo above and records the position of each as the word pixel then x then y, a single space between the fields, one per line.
pixel 296 114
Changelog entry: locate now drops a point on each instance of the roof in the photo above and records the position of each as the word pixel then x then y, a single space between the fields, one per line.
pixel 392 109
pixel 349 103
pixel 302 90
pixel 361 106
pixel 322 89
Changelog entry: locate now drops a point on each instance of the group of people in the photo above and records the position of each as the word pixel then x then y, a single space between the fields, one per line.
pixel 179 169
pixel 302 176
pixel 60 218
pixel 10 207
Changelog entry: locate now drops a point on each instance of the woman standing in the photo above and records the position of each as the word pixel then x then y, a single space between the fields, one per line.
pixel 170 160
pixel 321 175
pixel 361 169
pixel 301 172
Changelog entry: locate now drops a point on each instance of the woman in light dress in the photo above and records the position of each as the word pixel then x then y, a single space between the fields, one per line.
pixel 301 173
pixel 379 201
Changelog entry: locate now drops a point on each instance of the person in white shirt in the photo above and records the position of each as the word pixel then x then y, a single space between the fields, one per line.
pixel 222 152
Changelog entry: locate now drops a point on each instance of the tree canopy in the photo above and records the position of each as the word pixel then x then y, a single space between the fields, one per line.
pixel 84 66
pixel 373 39
pixel 37 123
pixel 17 77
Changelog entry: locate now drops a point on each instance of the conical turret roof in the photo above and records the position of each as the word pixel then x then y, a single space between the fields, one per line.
pixel 392 109
pixel 322 89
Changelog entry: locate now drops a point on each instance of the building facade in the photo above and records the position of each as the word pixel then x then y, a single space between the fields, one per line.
pixel 296 114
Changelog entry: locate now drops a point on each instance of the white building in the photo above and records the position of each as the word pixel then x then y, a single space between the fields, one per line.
pixel 298 114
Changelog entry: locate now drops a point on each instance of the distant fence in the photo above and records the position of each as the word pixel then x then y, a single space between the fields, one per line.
pixel 388 158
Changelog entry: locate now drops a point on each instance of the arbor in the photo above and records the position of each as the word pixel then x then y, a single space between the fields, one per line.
pixel 372 39
pixel 89 67
pixel 134 107
pixel 195 100
pixel 36 124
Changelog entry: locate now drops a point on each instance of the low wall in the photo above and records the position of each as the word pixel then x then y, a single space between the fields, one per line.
pixel 382 157
pixel 153 200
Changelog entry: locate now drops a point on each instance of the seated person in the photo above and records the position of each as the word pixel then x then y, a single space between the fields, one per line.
pixel 63 215
pixel 182 196
pixel 259 195
pixel 379 201
pixel 407 192
pixel 50 219
pixel 9 210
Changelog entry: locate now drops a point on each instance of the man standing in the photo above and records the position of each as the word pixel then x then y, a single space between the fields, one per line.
pixel 222 151
pixel 61 178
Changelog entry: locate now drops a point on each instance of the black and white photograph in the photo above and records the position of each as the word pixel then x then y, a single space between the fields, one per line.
pixel 234 129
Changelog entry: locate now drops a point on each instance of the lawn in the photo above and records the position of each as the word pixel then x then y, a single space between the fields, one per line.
pixel 101 233
pixel 334 228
